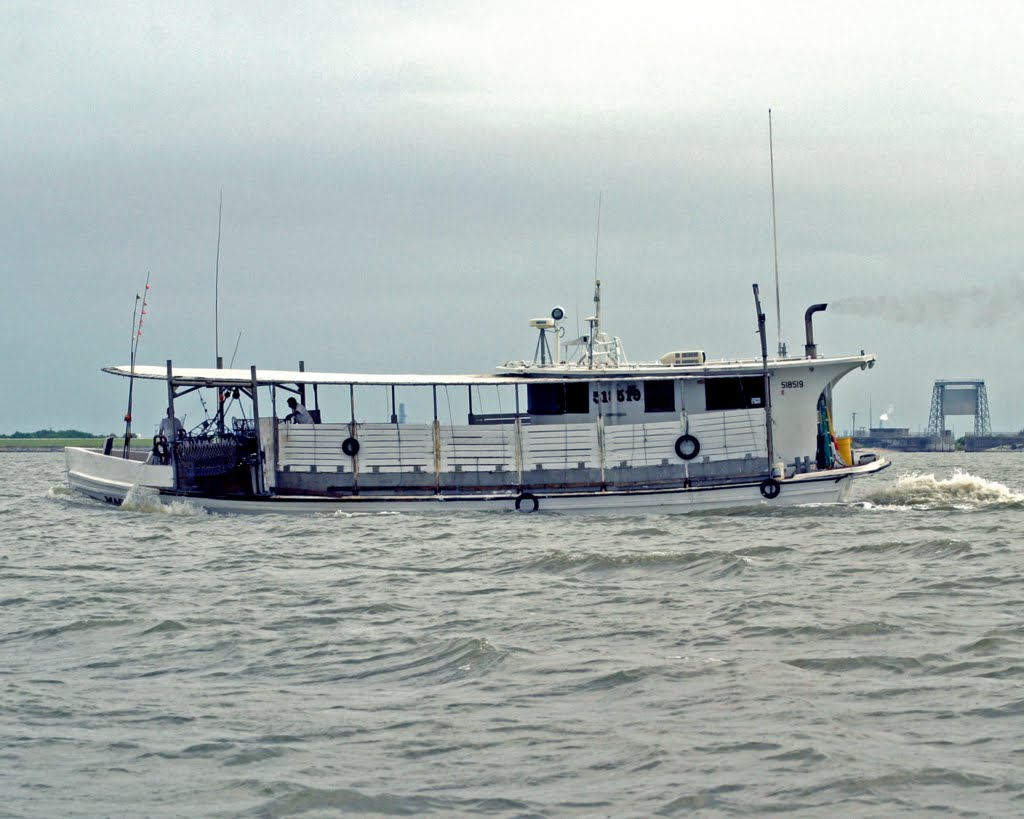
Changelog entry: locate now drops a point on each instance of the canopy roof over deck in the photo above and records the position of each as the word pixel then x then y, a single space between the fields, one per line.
pixel 212 377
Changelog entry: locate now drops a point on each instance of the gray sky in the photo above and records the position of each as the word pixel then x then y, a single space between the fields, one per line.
pixel 406 184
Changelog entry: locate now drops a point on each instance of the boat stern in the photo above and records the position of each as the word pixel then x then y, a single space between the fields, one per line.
pixel 109 478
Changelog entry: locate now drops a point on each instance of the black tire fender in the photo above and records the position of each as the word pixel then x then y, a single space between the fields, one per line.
pixel 770 488
pixel 350 446
pixel 528 498
pixel 687 447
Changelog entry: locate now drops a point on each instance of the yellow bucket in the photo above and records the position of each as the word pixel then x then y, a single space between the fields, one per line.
pixel 845 448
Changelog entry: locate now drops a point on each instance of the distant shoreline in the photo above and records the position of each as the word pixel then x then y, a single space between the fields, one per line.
pixel 58 444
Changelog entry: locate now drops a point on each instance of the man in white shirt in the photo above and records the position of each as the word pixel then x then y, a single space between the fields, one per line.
pixel 299 414
pixel 170 427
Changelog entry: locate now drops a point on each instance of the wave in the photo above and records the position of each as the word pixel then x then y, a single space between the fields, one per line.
pixel 368 513
pixel 138 499
pixel 338 801
pixel 165 626
pixel 442 662
pixel 959 491
pixel 84 624
pixel 928 548
pixel 144 499
pixel 713 563
pixel 824 633
pixel 844 664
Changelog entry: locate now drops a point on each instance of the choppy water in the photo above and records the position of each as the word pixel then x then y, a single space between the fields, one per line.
pixel 859 660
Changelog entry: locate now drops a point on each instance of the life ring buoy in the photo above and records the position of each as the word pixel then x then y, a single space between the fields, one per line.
pixel 526 496
pixel 687 447
pixel 161 449
pixel 770 488
pixel 350 446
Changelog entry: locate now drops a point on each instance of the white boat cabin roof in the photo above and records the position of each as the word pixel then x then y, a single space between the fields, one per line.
pixel 524 374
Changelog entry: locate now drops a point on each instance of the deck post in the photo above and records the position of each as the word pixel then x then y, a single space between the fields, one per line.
pixel 769 439
pixel 518 424
pixel 275 430
pixel 437 444
pixel 437 456
pixel 170 387
pixel 220 401
pixel 170 406
pixel 260 487
pixel 352 433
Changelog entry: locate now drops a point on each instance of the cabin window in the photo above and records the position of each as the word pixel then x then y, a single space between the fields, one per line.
pixel 734 393
pixel 558 399
pixel 659 396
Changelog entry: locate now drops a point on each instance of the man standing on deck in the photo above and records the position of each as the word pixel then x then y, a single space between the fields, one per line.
pixel 171 427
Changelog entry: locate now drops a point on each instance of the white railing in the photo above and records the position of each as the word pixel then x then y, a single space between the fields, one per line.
pixel 727 435
pixel 302 447
pixel 561 446
pixel 395 447
pixel 722 436
pixel 641 444
pixel 478 448
pixel 431 448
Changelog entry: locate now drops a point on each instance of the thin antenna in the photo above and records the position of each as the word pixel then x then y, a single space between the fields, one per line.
pixel 237 341
pixel 775 239
pixel 595 322
pixel 138 319
pixel 216 285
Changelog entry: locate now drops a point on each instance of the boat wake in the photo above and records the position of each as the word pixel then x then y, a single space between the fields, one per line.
pixel 143 499
pixel 959 491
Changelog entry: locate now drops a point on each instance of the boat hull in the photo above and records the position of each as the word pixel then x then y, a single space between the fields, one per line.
pixel 111 480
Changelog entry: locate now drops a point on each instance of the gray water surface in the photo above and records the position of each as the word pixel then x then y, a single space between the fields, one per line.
pixel 865 659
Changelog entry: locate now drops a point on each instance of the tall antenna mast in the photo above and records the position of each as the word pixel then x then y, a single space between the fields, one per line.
pixel 775 239
pixel 138 319
pixel 216 285
pixel 595 320
pixel 597 281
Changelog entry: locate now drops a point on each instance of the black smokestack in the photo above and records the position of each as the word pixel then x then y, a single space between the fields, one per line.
pixel 810 349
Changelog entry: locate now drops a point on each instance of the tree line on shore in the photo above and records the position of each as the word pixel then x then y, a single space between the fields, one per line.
pixel 53 433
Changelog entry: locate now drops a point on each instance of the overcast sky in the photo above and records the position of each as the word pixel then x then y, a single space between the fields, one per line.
pixel 407 184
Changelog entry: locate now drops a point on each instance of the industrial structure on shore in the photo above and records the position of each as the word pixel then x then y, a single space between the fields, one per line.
pixel 950 398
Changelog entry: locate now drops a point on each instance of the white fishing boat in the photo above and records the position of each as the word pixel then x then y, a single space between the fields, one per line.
pixel 579 429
